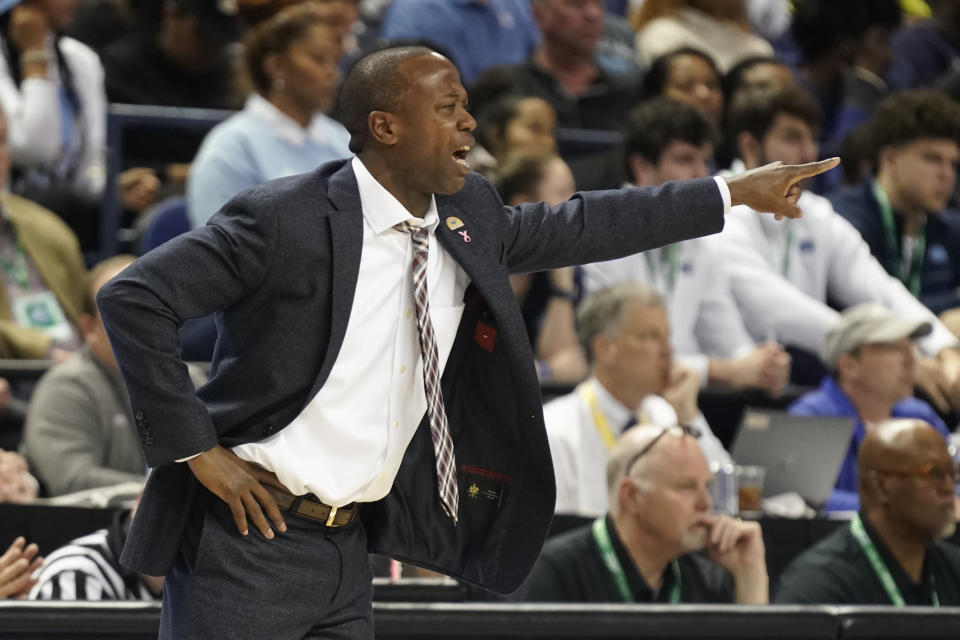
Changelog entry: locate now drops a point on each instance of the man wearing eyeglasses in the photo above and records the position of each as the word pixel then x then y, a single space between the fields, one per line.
pixel 659 542
pixel 872 359
pixel 890 553
pixel 625 333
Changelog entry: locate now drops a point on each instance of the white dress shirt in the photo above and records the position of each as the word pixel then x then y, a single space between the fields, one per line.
pixel 34 114
pixel 705 321
pixel 580 454
pixel 349 441
pixel 783 273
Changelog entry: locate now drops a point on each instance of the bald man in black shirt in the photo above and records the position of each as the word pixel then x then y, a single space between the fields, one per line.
pixel 891 553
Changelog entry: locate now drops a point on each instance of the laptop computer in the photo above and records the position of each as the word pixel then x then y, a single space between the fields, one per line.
pixel 802 454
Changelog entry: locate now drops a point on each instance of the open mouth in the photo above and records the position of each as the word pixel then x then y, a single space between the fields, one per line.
pixel 460 155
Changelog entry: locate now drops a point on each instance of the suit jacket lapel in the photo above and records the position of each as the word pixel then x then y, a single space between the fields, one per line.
pixel 345 220
pixel 472 255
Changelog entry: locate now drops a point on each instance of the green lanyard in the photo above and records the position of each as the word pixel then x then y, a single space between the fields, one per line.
pixel 602 537
pixel 908 274
pixel 880 569
pixel 17 268
pixel 787 246
pixel 669 256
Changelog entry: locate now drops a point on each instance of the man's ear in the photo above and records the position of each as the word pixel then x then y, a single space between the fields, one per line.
pixel 602 347
pixel 749 149
pixel 642 172
pixel 384 127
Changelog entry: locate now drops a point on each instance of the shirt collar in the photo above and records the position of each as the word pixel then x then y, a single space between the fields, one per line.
pixel 283 125
pixel 897 572
pixel 616 413
pixel 381 209
pixel 638 584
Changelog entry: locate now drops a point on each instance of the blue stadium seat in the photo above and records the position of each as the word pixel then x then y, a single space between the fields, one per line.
pixel 161 222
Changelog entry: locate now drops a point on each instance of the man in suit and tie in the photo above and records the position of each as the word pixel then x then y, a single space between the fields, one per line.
pixel 342 383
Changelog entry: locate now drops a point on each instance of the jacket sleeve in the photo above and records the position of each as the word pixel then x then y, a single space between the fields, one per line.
pixel 191 276
pixel 603 225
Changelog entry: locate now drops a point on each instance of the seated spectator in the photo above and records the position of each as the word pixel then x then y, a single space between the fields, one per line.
pixel 688 76
pixel 477 35
pixel 757 73
pixel 17 485
pixel 926 49
pixel 891 553
pixel 872 26
pixel 509 124
pixel 51 88
pixel 546 298
pixel 626 335
pixel 89 569
pixel 871 356
pixel 565 72
pixel 902 213
pixel 720 29
pixel 281 130
pixel 666 140
pixel 649 547
pixel 784 272
pixel 42 268
pixel 18 565
pixel 79 432
pixel 181 59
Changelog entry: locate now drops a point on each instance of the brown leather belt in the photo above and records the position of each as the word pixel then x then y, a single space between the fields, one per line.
pixel 308 507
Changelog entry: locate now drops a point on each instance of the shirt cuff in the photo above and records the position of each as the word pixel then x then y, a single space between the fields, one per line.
pixel 189 457
pixel 724 193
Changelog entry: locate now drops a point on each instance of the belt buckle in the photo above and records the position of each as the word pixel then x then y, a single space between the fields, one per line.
pixel 333 514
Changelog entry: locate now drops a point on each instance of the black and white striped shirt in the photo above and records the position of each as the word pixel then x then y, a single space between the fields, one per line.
pixel 87 569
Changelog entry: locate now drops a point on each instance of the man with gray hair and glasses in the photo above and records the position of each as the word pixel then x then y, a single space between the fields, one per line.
pixel 659 543
pixel 625 333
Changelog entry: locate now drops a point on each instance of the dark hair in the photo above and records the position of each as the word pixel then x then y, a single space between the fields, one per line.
pixel 820 27
pixel 754 111
pixel 275 36
pixel 521 173
pixel 656 123
pixel 734 77
pixel 373 84
pixel 659 72
pixel 493 119
pixel 908 115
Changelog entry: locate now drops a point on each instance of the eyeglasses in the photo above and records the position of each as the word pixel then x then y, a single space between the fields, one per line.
pixel 935 473
pixel 687 430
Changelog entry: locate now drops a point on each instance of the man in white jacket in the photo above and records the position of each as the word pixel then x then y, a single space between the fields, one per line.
pixel 784 273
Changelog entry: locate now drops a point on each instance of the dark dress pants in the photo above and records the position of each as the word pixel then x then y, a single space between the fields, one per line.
pixel 311 581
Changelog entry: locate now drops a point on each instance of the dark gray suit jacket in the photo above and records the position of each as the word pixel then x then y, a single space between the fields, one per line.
pixel 279 266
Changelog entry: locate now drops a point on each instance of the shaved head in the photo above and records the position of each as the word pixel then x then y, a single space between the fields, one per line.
pixel 375 83
pixel 895 443
pixel 906 479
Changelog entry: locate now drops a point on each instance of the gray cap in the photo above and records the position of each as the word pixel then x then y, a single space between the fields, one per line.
pixel 864 324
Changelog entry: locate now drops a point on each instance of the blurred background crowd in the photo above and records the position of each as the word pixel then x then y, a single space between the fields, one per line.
pixel 126 122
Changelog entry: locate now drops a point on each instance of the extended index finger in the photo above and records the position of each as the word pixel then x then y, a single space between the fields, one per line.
pixel 801 171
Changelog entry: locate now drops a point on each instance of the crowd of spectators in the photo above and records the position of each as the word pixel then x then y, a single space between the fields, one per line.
pixel 851 311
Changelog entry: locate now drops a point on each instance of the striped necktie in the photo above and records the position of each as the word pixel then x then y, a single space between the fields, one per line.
pixel 439 430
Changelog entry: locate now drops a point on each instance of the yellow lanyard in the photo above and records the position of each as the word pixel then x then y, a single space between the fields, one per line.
pixel 586 391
